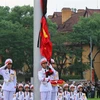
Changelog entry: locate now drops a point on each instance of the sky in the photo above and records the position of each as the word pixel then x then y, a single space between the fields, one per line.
pixel 55 5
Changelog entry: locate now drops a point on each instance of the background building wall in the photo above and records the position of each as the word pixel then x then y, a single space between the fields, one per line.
pixel 86 51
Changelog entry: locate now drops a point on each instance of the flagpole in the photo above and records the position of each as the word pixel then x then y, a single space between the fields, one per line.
pixel 36 51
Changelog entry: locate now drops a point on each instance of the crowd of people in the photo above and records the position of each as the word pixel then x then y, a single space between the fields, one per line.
pixel 51 87
pixel 87 88
pixel 67 91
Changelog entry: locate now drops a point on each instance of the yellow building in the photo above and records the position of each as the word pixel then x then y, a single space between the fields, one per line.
pixel 85 59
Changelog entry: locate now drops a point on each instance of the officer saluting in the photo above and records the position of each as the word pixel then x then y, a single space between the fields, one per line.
pixel 9 75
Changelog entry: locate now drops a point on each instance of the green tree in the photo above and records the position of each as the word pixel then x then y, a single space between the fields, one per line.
pixel 78 68
pixel 86 28
pixel 15 43
pixel 4 12
pixel 23 15
pixel 16 36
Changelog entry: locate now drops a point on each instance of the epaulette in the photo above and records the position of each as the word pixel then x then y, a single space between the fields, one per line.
pixel 14 72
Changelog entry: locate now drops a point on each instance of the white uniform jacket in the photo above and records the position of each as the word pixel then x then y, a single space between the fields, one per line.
pixel 45 81
pixel 26 95
pixel 9 79
pixel 20 95
pixel 60 96
pixel 73 96
pixel 31 96
pixel 81 96
pixel 66 95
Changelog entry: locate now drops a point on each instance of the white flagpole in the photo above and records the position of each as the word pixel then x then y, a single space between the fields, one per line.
pixel 37 17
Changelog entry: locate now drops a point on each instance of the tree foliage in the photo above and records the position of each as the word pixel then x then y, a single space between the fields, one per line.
pixel 85 29
pixel 16 35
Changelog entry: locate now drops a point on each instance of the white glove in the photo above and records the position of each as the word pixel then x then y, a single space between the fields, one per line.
pixel 3 66
pixel 47 79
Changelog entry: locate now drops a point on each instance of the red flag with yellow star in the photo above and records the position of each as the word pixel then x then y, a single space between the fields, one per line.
pixel 45 43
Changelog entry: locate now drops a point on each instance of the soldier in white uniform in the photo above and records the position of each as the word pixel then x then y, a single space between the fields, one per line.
pixel 26 93
pixel 72 92
pixel 20 93
pixel 9 75
pixel 66 92
pixel 44 78
pixel 31 95
pixel 80 95
pixel 60 93
pixel 54 78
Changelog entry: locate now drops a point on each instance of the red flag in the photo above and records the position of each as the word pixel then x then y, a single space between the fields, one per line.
pixel 45 43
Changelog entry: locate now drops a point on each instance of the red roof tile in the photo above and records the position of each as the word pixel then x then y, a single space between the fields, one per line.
pixel 68 25
pixel 91 11
pixel 57 18
pixel 57 14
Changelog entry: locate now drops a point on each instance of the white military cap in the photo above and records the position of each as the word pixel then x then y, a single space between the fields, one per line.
pixel 20 85
pixel 80 86
pixel 52 61
pixel 31 87
pixel 8 61
pixel 43 60
pixel 65 85
pixel 26 86
pixel 72 86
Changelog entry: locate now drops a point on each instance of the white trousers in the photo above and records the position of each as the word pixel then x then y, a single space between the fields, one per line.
pixel 46 95
pixel 8 95
pixel 54 96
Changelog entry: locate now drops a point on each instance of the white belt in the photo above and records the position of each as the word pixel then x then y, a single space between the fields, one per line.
pixel 7 81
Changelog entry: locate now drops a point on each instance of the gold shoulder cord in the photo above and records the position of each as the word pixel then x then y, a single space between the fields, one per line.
pixel 14 73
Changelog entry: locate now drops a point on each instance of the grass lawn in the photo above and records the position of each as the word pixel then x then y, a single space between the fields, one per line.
pixel 94 99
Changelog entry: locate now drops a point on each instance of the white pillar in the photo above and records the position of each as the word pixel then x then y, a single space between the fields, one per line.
pixel 37 17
